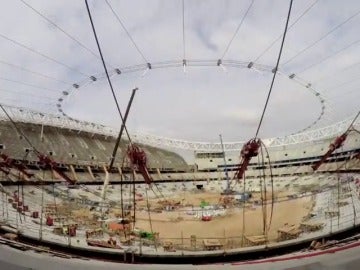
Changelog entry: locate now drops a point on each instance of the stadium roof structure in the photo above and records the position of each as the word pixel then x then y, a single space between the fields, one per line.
pixel 34 117
pixel 322 62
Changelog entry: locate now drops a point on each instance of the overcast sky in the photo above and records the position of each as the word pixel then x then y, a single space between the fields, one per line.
pixel 203 102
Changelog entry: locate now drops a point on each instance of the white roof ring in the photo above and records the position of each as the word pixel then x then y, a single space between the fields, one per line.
pixel 198 63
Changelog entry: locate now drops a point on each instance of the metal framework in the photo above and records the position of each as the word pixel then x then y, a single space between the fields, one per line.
pixel 24 115
pixel 302 137
pixel 33 117
pixel 197 63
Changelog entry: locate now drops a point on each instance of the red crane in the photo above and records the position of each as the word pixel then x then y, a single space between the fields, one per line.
pixel 339 141
pixel 4 168
pixel 12 163
pixel 47 162
pixel 249 150
pixel 138 159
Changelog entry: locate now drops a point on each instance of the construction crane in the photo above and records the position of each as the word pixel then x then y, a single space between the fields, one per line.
pixel 339 141
pixel 4 168
pixel 248 151
pixel 47 163
pixel 138 159
pixel 44 160
pixel 228 188
pixel 12 163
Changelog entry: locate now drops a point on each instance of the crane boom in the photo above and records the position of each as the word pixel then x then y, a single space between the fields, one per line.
pixel 249 150
pixel 138 159
pixel 12 163
pixel 339 141
pixel 47 162
pixel 4 168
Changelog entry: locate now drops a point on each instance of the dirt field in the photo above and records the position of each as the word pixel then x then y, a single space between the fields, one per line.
pixel 178 223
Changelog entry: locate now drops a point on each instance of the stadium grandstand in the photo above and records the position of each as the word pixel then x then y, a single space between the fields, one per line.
pixel 326 201
pixel 76 148
pixel 87 184
pixel 84 152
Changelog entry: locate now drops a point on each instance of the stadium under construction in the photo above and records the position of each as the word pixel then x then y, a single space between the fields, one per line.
pixel 100 194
